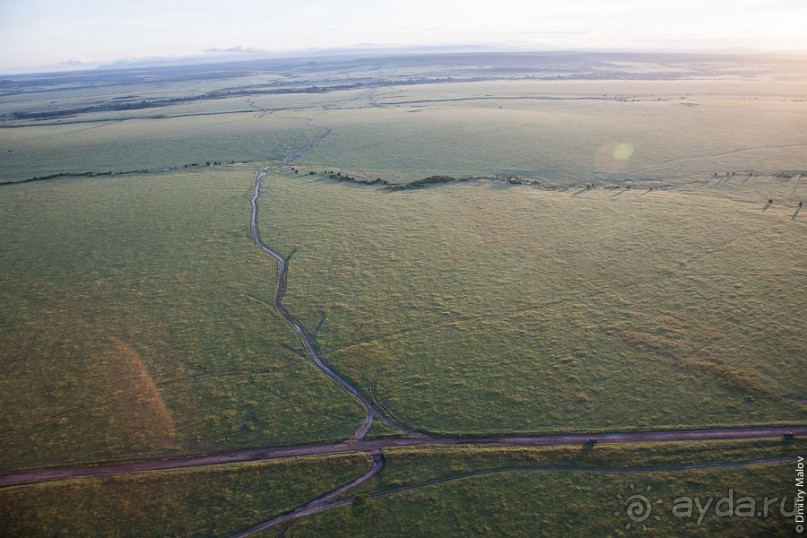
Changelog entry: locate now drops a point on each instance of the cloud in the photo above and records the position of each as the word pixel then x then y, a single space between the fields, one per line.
pixel 239 49
pixel 77 60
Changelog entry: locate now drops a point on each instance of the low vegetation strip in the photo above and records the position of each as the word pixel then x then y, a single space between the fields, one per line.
pixel 90 173
pixel 61 175
pixel 133 103
pixel 428 181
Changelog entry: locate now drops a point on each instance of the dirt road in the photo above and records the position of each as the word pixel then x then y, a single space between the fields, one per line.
pixel 269 453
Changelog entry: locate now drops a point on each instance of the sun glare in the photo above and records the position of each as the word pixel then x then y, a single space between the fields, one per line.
pixel 623 151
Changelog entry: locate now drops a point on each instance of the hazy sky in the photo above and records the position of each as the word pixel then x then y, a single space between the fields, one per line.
pixel 50 32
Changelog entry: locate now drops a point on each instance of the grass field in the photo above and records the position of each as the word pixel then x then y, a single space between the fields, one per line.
pixel 211 502
pixel 569 504
pixel 225 499
pixel 153 144
pixel 649 279
pixel 477 308
pixel 566 133
pixel 135 323
pixel 408 466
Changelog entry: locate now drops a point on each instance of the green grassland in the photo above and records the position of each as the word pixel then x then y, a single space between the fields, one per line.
pixel 136 318
pixel 479 308
pixel 153 144
pixel 469 308
pixel 564 133
pixel 566 504
pixel 224 499
pixel 214 501
pixel 408 466
pixel 135 322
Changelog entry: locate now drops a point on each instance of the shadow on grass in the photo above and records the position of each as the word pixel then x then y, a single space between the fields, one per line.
pixel 585 452
pixel 796 213
pixel 294 350
pixel 322 317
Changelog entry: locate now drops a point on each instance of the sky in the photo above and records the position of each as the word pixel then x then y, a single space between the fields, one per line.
pixel 37 34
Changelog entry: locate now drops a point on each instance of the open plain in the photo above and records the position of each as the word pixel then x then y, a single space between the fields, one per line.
pixel 548 288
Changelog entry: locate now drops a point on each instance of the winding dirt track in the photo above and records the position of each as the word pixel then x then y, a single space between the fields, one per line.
pixel 317 505
pixel 372 412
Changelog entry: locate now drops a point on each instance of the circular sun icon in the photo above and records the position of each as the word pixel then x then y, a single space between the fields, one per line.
pixel 638 508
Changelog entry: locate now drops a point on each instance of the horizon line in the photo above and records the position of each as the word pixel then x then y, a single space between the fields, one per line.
pixel 239 54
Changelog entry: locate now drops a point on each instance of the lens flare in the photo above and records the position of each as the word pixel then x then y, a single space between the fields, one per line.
pixel 613 156
pixel 623 151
